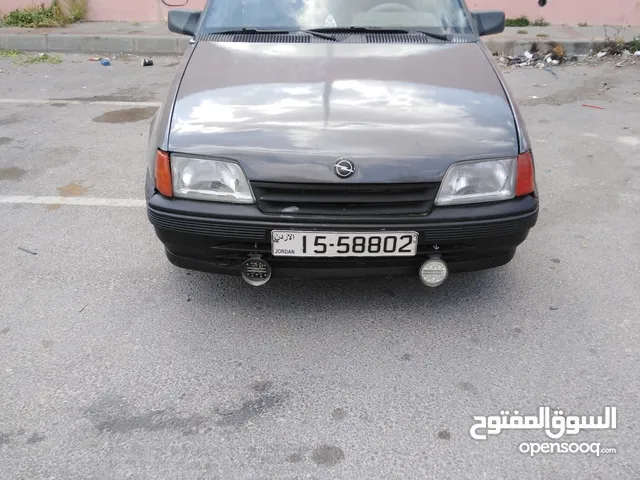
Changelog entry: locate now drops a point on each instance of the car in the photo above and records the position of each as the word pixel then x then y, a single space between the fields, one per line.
pixel 339 139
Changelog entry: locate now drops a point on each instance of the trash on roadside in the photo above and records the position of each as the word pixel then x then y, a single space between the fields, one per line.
pixel 105 61
pixel 541 85
pixel 147 62
pixel 558 52
pixel 554 56
pixel 637 54
pixel 601 54
pixel 534 97
pixel 550 71
pixel 95 59
pixel 27 251
pixel 592 106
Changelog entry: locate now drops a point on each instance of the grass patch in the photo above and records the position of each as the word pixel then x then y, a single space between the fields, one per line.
pixel 540 22
pixel 583 24
pixel 58 14
pixel 522 21
pixel 523 32
pixel 21 59
pixel 74 10
pixel 10 53
pixel 542 35
pixel 618 46
pixel 42 58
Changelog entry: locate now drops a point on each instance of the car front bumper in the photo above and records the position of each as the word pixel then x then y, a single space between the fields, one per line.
pixel 218 238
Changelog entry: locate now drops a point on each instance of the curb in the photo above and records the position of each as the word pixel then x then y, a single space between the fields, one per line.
pixel 176 45
pixel 517 48
pixel 79 43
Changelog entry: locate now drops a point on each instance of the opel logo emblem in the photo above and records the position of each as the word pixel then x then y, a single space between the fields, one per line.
pixel 344 168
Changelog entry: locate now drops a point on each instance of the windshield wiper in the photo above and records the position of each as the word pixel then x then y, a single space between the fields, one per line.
pixel 437 36
pixel 326 36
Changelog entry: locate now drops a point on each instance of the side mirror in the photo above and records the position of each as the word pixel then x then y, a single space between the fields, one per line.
pixel 489 22
pixel 183 21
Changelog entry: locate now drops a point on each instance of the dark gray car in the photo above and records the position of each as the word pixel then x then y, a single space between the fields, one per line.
pixel 328 138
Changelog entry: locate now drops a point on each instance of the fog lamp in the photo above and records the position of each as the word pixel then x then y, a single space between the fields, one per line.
pixel 433 272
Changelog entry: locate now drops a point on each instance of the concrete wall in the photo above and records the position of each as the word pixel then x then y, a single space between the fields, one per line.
pixel 125 10
pixel 571 12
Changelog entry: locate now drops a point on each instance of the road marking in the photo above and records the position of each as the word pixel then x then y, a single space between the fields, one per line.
pixel 27 101
pixel 633 141
pixel 82 201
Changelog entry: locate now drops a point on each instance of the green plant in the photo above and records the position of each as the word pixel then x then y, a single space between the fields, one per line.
pixel 522 21
pixel 542 35
pixel 540 22
pixel 74 10
pixel 41 16
pixel 634 45
pixel 616 45
pixel 42 58
pixel 523 32
pixel 10 53
pixel 20 58
pixel 31 17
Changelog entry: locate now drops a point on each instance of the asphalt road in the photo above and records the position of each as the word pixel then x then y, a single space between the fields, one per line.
pixel 114 364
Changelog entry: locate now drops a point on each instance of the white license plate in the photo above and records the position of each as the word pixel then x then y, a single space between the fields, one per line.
pixel 286 243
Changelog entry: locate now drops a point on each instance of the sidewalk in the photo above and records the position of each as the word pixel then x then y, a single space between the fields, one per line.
pixel 155 38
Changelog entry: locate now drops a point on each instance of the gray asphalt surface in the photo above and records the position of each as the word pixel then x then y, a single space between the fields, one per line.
pixel 114 364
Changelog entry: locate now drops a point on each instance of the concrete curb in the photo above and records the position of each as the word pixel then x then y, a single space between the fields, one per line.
pixel 176 45
pixel 517 48
pixel 79 43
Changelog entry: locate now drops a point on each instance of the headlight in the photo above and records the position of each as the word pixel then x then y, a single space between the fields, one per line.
pixel 478 181
pixel 208 179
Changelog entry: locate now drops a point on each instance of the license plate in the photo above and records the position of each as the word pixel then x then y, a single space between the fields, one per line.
pixel 332 244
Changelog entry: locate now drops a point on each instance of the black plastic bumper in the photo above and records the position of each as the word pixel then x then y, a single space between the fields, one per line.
pixel 219 237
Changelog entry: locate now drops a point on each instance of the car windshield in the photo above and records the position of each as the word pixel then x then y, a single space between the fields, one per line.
pixel 444 16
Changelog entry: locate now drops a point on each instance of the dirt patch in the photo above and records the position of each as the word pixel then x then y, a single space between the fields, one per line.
pixel 72 190
pixel 10 120
pixel 131 94
pixel 592 88
pixel 11 173
pixel 126 115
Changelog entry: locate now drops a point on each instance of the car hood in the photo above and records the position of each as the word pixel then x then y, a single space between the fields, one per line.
pixel 287 112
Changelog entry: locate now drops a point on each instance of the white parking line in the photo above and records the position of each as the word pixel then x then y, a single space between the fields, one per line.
pixel 35 101
pixel 83 201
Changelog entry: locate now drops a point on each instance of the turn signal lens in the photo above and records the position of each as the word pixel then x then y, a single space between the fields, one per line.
pixel 525 178
pixel 163 174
